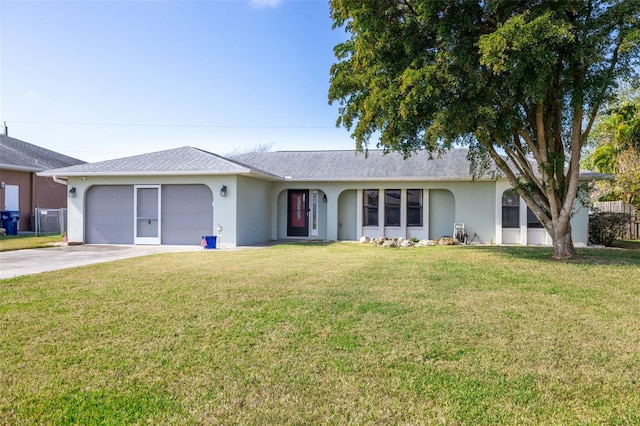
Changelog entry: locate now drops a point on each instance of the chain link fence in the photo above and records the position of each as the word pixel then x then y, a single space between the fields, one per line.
pixel 49 221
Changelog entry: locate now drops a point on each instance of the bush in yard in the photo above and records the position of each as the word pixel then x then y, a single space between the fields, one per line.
pixel 605 227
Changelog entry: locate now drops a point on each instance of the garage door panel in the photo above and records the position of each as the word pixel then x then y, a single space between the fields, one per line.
pixel 109 215
pixel 195 220
pixel 187 213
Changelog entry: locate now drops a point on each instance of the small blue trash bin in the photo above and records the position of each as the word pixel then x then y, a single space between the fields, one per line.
pixel 209 242
pixel 10 219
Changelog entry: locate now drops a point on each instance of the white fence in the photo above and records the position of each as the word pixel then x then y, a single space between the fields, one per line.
pixel 50 221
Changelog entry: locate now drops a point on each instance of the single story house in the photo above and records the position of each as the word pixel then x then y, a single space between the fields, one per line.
pixel 179 195
pixel 20 188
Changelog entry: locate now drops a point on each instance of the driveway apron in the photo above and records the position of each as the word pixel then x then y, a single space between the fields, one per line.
pixel 33 261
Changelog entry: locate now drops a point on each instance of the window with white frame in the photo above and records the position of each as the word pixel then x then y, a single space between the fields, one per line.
pixel 532 220
pixel 392 207
pixel 510 209
pixel 370 203
pixel 414 207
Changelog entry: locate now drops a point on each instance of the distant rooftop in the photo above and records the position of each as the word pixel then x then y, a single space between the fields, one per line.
pixel 19 155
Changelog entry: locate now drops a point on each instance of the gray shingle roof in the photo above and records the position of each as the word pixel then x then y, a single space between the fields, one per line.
pixel 178 161
pixel 19 155
pixel 290 165
pixel 589 175
pixel 351 165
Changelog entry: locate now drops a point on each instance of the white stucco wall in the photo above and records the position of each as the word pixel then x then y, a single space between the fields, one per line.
pixel 473 206
pixel 524 236
pixel 442 213
pixel 279 220
pixel 253 212
pixel 580 225
pixel 348 215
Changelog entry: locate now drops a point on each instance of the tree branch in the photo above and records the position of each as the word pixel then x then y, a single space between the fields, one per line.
pixel 596 107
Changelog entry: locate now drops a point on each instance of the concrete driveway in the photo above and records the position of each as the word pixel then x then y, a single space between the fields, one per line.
pixel 25 262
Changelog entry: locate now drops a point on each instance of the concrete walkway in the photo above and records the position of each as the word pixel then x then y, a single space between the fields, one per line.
pixel 33 261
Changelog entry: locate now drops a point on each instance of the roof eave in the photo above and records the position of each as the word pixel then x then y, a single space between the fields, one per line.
pixel 262 175
pixel 391 179
pixel 21 168
pixel 596 176
pixel 68 174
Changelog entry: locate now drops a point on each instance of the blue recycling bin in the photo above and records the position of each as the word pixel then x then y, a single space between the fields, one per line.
pixel 209 242
pixel 10 219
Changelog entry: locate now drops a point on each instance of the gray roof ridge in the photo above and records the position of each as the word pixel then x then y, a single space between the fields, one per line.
pixel 195 154
pixel 146 154
pixel 247 166
pixel 204 151
pixel 357 151
pixel 319 150
pixel 236 163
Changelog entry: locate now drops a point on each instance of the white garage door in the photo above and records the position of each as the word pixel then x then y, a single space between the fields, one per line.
pixel 109 215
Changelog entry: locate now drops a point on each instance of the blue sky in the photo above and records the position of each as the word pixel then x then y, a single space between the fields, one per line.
pixel 105 79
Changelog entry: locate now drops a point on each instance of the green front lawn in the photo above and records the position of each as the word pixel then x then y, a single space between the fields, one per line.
pixel 27 241
pixel 627 244
pixel 339 334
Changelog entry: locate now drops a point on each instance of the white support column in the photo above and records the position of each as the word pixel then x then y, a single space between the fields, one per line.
pixel 381 211
pixel 403 211
pixel 425 212
pixel 523 222
pixel 359 209
pixel 274 215
pixel 75 211
pixel 500 188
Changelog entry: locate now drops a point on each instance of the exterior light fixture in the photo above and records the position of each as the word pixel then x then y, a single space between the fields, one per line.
pixel 324 198
pixel 223 191
pixel 72 191
pixel 2 184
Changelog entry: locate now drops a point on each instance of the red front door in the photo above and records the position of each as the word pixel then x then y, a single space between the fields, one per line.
pixel 298 213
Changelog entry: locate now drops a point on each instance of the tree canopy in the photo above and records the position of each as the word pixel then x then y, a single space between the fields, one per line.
pixel 616 137
pixel 519 82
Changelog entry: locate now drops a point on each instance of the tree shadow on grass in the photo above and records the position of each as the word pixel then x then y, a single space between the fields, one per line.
pixel 586 256
pixel 627 244
pixel 304 243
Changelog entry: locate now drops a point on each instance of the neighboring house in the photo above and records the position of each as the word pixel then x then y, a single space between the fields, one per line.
pixel 20 188
pixel 179 195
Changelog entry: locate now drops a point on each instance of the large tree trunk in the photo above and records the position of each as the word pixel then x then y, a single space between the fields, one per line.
pixel 563 243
